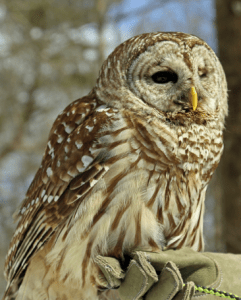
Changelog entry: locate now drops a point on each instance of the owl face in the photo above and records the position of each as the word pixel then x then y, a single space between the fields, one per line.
pixel 157 70
pixel 163 76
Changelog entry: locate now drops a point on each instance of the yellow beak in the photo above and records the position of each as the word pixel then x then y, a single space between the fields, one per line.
pixel 194 98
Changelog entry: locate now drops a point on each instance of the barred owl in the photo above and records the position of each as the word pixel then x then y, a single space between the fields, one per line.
pixel 125 168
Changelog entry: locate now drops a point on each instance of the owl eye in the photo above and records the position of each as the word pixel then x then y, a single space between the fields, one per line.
pixel 203 75
pixel 164 77
pixel 202 72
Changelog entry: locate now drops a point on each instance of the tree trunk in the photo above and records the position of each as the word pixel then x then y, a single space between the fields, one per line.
pixel 229 37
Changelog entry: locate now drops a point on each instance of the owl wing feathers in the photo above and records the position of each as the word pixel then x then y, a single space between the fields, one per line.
pixel 70 169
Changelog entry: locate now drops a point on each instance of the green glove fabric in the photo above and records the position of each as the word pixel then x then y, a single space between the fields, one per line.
pixel 170 285
pixel 140 277
pixel 217 271
pixel 174 268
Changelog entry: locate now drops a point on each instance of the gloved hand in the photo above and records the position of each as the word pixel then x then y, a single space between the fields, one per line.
pixel 162 275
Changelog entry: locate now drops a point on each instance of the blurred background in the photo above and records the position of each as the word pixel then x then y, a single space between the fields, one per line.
pixel 50 54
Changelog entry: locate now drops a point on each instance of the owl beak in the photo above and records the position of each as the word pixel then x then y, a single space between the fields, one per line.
pixel 193 96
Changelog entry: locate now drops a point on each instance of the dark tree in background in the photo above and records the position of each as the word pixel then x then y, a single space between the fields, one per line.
pixel 229 38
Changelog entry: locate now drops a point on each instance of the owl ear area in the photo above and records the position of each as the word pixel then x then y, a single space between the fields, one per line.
pixel 193 98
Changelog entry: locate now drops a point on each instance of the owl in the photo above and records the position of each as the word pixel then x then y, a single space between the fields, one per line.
pixel 125 168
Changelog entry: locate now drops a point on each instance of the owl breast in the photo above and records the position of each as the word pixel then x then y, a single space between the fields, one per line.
pixel 151 197
pixel 155 188
pixel 169 168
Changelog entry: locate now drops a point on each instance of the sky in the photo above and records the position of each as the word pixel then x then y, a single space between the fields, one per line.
pixel 190 16
pixel 186 16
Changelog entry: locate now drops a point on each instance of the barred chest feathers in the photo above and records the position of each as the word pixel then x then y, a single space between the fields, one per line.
pixel 153 193
pixel 162 172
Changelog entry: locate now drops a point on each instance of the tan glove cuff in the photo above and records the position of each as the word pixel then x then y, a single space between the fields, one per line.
pixel 228 270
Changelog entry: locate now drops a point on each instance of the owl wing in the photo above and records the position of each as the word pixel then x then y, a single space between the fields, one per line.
pixel 70 168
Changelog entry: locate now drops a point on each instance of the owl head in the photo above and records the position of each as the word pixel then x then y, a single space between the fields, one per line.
pixel 160 71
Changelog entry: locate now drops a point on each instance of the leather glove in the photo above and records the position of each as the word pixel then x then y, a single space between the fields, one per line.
pixel 174 274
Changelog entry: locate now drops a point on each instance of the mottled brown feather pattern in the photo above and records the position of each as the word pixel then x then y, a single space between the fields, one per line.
pixel 125 168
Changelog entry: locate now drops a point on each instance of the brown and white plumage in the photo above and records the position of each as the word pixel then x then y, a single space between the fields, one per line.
pixel 125 168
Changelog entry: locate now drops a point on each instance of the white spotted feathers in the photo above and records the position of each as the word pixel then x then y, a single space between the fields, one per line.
pixel 69 152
